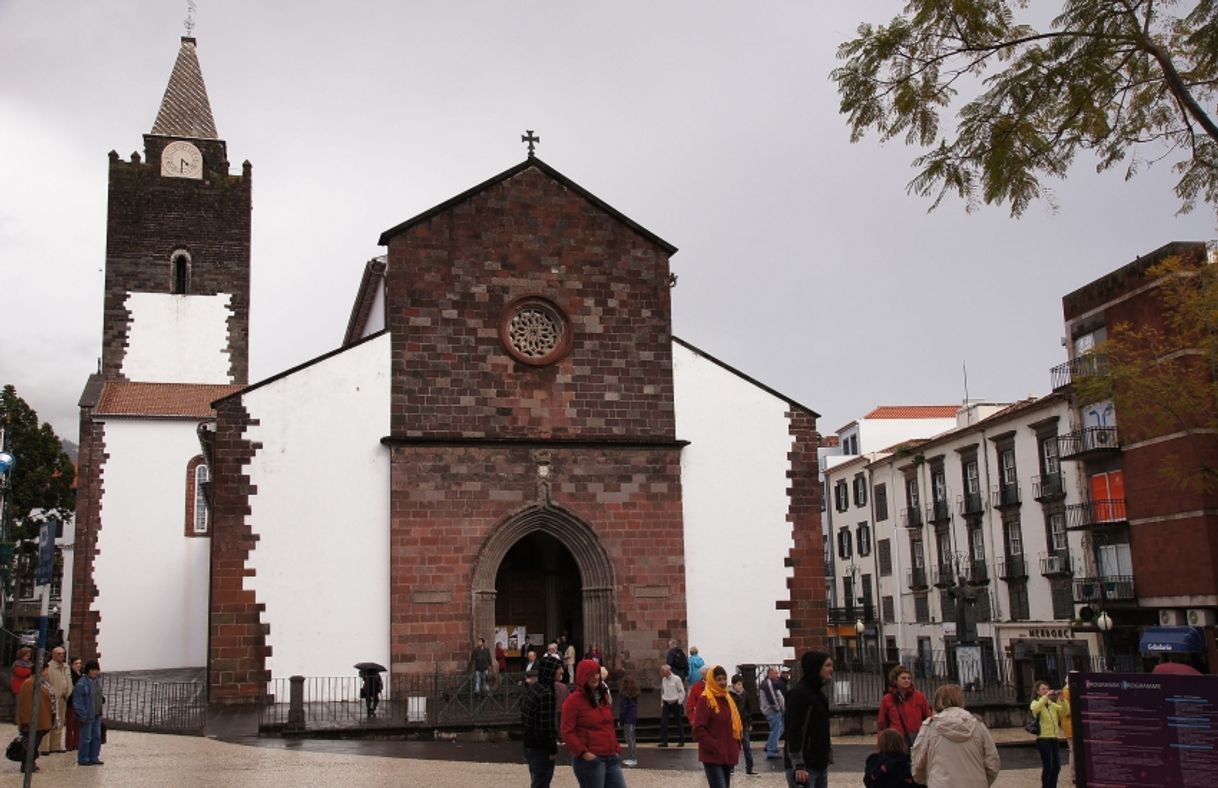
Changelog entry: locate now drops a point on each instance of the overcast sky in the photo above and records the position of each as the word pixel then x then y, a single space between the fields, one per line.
pixel 802 261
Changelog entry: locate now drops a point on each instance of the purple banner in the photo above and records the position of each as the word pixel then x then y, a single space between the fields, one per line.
pixel 1145 729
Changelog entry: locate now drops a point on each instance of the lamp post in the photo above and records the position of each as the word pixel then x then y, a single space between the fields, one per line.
pixel 860 627
pixel 1104 622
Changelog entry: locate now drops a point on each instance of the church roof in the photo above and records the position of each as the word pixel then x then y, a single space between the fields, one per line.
pixel 165 400
pixel 699 351
pixel 185 110
pixel 914 412
pixel 532 161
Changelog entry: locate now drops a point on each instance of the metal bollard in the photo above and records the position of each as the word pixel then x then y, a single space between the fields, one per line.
pixel 296 714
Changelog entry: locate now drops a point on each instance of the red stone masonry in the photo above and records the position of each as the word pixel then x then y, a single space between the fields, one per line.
pixel 237 648
pixel 807 605
pixel 85 623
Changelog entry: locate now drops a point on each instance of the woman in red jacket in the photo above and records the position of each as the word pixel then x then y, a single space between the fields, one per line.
pixel 717 729
pixel 588 732
pixel 903 707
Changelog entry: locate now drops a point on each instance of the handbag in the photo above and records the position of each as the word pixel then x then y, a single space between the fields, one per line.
pixel 16 749
pixel 1031 724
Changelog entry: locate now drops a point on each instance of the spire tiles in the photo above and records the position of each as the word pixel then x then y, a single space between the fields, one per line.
pixel 185 110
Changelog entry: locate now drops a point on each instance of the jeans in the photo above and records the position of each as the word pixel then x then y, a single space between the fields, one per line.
pixel 1050 761
pixel 672 710
pixel 604 772
pixel 481 681
pixel 89 749
pixel 541 767
pixel 717 775
pixel 748 751
pixel 632 747
pixel 774 718
pixel 817 778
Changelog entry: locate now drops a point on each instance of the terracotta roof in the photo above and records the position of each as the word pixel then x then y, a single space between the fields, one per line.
pixel 185 110
pixel 914 412
pixel 184 400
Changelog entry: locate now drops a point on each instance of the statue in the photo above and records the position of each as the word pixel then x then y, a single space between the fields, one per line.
pixel 966 599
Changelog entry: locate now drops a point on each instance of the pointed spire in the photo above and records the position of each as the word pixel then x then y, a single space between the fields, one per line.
pixel 185 110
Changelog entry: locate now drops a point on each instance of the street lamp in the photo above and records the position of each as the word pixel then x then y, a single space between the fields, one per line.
pixel 1104 622
pixel 860 627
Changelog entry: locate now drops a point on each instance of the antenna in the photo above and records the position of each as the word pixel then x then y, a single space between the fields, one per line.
pixel 964 364
pixel 189 21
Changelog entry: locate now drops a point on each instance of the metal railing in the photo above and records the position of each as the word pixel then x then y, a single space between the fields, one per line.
pixel 970 503
pixel 911 517
pixel 1048 486
pixel 1012 567
pixel 1056 564
pixel 916 578
pixel 976 572
pixel 944 576
pixel 1089 514
pixel 865 686
pixel 938 512
pixel 156 706
pixel 1086 441
pixel 1006 494
pixel 1114 588
pixel 1087 365
pixel 851 613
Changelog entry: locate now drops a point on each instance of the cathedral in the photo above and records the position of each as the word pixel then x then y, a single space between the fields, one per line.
pixel 507 442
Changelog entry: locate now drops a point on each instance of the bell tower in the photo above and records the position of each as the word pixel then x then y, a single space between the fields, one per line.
pixel 178 248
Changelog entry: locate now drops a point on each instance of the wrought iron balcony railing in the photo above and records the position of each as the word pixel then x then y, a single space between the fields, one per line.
pixel 945 576
pixel 1088 442
pixel 1087 365
pixel 938 512
pixel 1012 567
pixel 1006 494
pixel 1048 487
pixel 852 613
pixel 976 572
pixel 970 503
pixel 1056 564
pixel 916 579
pixel 911 517
pixel 1096 514
pixel 1112 588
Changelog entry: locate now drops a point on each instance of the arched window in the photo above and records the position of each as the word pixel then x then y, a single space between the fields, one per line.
pixel 181 272
pixel 198 512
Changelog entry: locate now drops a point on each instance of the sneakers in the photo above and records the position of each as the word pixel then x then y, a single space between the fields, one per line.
pixel 630 762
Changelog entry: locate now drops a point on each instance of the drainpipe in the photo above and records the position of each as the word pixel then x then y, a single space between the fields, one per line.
pixel 996 608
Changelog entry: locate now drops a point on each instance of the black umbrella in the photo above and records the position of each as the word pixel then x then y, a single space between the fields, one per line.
pixel 370 667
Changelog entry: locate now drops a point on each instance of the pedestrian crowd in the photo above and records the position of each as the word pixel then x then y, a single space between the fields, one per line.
pixel 70 700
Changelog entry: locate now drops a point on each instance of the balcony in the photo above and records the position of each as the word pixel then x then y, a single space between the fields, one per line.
pixel 970 504
pixel 916 579
pixel 1088 365
pixel 1056 565
pixel 1012 567
pixel 852 613
pixel 945 576
pixel 1110 588
pixel 938 512
pixel 1096 514
pixel 1004 495
pixel 1048 487
pixel 976 572
pixel 1088 442
pixel 911 517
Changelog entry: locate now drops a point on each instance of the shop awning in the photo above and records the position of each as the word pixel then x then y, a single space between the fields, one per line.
pixel 1173 640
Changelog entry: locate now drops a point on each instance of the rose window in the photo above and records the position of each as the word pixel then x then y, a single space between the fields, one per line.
pixel 535 331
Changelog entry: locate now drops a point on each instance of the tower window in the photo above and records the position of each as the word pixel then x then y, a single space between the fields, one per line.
pixel 181 274
pixel 198 510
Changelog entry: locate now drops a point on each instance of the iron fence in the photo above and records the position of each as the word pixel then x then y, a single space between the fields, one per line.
pixel 157 706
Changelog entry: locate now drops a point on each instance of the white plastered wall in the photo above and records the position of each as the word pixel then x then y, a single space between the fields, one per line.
pixel 152 579
pixel 734 489
pixel 321 512
pixel 177 338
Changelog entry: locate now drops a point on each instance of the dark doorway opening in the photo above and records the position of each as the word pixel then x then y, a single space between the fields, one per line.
pixel 538 586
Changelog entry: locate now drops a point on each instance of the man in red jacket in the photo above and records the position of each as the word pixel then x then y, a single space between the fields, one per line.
pixel 903 707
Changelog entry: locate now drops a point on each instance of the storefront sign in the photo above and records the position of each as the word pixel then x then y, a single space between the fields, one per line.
pixel 1145 729
pixel 1045 633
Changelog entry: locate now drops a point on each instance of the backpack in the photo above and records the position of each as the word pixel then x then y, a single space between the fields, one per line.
pixel 680 665
pixel 1031 724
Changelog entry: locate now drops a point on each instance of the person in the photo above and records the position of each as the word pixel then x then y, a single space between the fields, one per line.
pixel 773 706
pixel 806 722
pixel 744 703
pixel 22 669
pixel 889 766
pixel 696 663
pixel 695 690
pixel 717 729
pixel 672 699
pixel 903 707
pixel 538 715
pixel 594 654
pixel 88 698
pixel 500 658
pixel 371 690
pixel 784 682
pixel 530 661
pixel 561 692
pixel 61 681
pixel 1067 720
pixel 46 711
pixel 569 655
pixel 954 749
pixel 72 728
pixel 677 660
pixel 1048 713
pixel 480 661
pixel 588 732
pixel 628 715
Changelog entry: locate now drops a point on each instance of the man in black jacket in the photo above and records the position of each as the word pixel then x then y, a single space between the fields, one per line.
pixel 537 714
pixel 807 724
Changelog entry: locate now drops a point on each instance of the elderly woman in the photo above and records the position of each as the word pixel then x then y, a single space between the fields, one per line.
pixel 954 749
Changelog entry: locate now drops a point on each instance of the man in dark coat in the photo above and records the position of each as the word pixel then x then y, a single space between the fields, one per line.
pixel 807 724
pixel 538 716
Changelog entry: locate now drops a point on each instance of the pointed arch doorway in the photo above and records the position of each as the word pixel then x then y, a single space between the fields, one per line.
pixel 548 567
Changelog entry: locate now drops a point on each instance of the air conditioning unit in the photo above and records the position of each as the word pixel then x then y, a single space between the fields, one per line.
pixel 1171 618
pixel 1201 617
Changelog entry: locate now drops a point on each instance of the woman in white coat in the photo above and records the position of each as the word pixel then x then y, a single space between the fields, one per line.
pixel 954 748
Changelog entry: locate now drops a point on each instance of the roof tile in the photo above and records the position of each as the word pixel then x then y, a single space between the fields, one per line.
pixel 185 400
pixel 913 412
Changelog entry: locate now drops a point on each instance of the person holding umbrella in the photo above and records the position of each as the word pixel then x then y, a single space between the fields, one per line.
pixel 370 673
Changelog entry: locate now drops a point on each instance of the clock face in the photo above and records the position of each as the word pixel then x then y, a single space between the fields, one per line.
pixel 180 159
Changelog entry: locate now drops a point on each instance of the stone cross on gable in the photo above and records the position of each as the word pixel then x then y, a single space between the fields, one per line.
pixel 529 138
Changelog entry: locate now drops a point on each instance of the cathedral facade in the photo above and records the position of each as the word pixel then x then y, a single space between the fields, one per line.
pixel 508 438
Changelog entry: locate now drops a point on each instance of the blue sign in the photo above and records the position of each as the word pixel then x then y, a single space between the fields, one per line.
pixel 46 552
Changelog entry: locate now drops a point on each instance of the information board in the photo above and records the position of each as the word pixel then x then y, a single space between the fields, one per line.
pixel 1145 729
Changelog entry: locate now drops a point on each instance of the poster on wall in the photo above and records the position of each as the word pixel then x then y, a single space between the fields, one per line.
pixel 1145 729
pixel 510 638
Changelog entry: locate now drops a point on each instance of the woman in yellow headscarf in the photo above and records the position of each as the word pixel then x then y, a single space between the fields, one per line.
pixel 717 729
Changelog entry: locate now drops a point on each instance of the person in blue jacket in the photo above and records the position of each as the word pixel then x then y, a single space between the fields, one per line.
pixel 87 701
